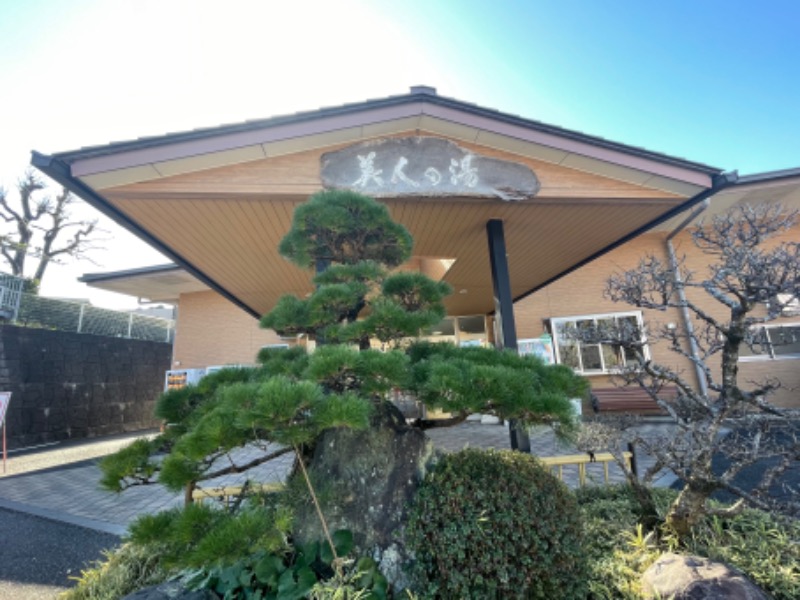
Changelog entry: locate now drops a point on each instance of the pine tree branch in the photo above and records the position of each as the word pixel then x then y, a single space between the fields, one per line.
pixel 234 468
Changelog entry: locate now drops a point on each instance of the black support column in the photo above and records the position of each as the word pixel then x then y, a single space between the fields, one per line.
pixel 505 328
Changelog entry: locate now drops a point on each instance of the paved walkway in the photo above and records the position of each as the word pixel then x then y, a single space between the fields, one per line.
pixel 61 482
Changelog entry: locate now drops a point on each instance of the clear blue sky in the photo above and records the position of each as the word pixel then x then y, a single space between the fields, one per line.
pixel 715 82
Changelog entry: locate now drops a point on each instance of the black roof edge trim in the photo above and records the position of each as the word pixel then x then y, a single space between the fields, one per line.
pixel 310 115
pixel 60 172
pixel 768 176
pixel 111 275
pixel 722 181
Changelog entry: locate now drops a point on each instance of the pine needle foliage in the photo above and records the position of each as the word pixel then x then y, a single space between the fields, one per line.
pixel 200 535
pixel 501 383
pixel 130 464
pixel 346 228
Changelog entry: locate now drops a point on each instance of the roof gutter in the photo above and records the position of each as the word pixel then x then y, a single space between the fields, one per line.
pixel 59 171
pixel 112 275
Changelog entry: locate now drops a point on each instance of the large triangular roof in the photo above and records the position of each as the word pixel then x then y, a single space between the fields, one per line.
pixel 217 200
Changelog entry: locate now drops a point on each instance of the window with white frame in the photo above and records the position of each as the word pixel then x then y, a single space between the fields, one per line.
pixel 595 358
pixel 777 341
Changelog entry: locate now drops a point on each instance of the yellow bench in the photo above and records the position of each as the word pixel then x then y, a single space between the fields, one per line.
pixel 226 494
pixel 581 460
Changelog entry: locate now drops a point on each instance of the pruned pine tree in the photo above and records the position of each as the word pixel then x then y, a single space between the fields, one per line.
pixel 41 229
pixel 724 426
pixel 332 406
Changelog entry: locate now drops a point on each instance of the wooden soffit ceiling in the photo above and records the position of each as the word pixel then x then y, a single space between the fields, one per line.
pixel 229 220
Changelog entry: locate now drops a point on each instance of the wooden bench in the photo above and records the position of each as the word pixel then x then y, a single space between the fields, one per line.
pixel 629 399
pixel 557 464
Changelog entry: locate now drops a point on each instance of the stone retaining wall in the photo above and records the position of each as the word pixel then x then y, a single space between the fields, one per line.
pixel 69 385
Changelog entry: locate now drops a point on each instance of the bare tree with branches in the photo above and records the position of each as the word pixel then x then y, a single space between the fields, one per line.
pixel 722 426
pixel 35 226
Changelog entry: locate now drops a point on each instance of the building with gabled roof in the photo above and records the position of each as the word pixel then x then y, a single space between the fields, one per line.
pixel 474 186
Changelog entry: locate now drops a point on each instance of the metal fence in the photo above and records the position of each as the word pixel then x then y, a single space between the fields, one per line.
pixel 51 313
pixel 10 293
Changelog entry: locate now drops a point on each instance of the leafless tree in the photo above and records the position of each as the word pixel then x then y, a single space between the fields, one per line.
pixel 722 426
pixel 42 228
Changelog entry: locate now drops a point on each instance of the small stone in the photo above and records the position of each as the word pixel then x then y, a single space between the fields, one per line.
pixel 696 578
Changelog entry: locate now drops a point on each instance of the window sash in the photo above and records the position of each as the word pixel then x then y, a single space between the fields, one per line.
pixel 590 358
pixel 776 342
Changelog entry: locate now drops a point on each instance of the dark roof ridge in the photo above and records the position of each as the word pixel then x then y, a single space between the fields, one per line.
pixel 422 96
pixel 769 176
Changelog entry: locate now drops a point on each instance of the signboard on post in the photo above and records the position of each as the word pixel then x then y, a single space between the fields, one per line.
pixel 5 398
pixel 541 347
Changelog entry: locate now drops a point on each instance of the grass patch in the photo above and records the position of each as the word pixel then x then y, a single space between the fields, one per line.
pixel 764 548
pixel 124 571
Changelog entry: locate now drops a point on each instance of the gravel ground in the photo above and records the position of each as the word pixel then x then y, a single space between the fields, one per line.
pixel 38 556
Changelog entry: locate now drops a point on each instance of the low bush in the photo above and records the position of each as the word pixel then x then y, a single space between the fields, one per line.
pixel 766 549
pixel 124 571
pixel 489 524
pixel 763 547
pixel 303 572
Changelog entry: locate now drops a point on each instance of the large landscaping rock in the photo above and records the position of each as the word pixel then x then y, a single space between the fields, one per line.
pixel 171 590
pixel 694 578
pixel 365 481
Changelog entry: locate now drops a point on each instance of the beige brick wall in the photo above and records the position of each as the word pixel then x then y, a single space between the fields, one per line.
pixel 581 293
pixel 786 371
pixel 213 331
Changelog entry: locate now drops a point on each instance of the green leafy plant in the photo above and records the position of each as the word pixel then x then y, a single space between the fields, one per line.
pixel 489 524
pixel 766 549
pixel 358 580
pixel 309 571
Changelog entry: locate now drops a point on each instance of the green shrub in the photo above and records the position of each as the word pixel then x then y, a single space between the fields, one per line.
pixel 125 570
pixel 764 548
pixel 204 536
pixel 488 524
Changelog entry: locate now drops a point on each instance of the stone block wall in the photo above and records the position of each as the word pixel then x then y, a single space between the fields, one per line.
pixel 69 385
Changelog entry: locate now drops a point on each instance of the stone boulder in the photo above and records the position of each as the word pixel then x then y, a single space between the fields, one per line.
pixel 695 578
pixel 365 481
pixel 171 590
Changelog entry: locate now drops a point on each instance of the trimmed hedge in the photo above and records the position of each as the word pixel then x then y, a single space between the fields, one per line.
pixel 489 524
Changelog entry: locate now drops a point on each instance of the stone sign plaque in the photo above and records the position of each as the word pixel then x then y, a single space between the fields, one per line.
pixel 425 166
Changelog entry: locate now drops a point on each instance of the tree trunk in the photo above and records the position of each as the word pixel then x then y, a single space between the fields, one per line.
pixel 648 514
pixel 364 481
pixel 688 508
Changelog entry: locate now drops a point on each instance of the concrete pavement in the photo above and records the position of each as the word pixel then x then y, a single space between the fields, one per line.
pixel 38 558
pixel 61 482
